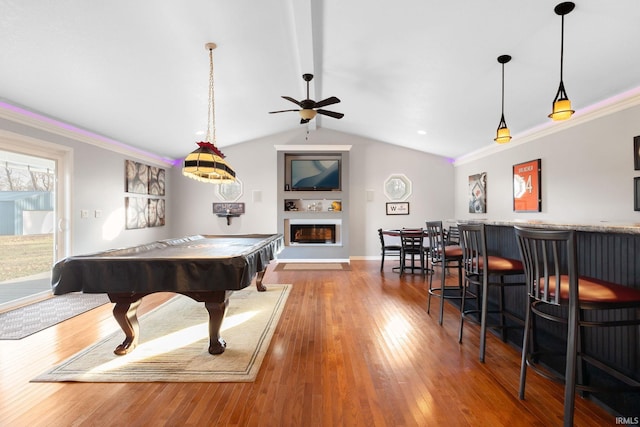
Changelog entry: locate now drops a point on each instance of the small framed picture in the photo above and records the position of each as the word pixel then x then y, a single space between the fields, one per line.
pixel 398 208
pixel 636 152
pixel 636 194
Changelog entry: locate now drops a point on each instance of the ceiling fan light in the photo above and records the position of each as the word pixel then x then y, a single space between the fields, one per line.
pixel 561 110
pixel 307 113
pixel 503 135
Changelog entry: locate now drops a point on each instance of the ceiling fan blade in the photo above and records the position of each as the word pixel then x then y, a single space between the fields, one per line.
pixel 288 98
pixel 303 121
pixel 281 111
pixel 330 114
pixel 325 102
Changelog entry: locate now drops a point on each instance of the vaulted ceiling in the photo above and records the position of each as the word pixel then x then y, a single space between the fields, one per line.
pixel 417 73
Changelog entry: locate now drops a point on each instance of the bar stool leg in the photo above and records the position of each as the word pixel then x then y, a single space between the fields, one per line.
pixel 525 348
pixel 483 320
pixel 442 293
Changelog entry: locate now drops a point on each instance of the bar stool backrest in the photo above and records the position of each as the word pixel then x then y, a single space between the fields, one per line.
pixel 473 242
pixel 436 242
pixel 549 258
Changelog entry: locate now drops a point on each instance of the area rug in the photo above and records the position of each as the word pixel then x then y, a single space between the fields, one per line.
pixel 174 343
pixel 24 321
pixel 312 266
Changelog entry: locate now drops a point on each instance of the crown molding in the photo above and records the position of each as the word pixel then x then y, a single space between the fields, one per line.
pixel 38 121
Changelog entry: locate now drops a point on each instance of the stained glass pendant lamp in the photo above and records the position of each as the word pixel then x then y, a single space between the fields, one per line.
pixel 207 162
pixel 561 104
pixel 503 135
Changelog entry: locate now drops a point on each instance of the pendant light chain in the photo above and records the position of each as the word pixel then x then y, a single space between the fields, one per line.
pixel 211 119
pixel 207 163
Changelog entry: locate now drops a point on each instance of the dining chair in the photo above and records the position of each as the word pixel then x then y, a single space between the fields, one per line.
pixel 388 249
pixel 444 256
pixel 412 245
pixel 484 272
pixel 557 293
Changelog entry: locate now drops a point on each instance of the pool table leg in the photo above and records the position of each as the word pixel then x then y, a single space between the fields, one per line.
pixel 125 313
pixel 216 309
pixel 259 277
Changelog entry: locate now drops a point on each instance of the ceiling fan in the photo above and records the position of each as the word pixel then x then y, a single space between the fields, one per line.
pixel 309 108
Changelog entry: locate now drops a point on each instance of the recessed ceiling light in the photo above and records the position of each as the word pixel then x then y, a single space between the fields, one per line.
pixel 422 132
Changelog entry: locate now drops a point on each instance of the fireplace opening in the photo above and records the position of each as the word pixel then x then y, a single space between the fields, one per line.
pixel 313 233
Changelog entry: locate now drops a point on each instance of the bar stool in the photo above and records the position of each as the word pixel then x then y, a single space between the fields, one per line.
pixel 481 270
pixel 445 256
pixel 550 261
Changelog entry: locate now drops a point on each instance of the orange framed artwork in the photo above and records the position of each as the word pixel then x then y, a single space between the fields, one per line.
pixel 526 187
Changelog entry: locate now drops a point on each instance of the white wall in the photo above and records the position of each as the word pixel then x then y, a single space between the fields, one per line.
pixel 96 183
pixel 587 172
pixel 371 163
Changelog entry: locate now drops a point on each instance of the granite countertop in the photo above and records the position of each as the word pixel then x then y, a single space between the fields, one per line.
pixel 595 227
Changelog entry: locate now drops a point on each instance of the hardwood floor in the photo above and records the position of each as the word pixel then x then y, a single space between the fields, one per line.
pixel 353 348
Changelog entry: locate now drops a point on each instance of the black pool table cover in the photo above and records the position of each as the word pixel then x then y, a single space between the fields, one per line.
pixel 188 264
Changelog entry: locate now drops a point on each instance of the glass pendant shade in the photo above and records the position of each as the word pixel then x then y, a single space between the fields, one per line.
pixel 206 163
pixel 561 106
pixel 503 135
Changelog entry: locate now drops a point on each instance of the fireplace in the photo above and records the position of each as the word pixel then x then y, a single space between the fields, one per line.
pixel 313 233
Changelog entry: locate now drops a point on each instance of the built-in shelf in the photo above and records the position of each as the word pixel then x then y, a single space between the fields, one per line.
pixel 313 205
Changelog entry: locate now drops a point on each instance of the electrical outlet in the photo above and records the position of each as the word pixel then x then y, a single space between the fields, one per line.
pixel 84 213
pixel 98 213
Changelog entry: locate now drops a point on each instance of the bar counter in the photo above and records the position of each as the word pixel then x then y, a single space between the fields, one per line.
pixel 597 227
pixel 606 250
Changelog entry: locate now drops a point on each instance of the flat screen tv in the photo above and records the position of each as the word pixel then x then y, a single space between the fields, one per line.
pixel 315 174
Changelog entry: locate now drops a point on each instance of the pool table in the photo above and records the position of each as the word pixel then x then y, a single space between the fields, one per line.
pixel 205 268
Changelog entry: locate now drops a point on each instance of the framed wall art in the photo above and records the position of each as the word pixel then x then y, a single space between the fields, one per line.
pixel 136 177
pixel 398 208
pixel 136 212
pixel 149 181
pixel 527 196
pixel 478 193
pixel 155 212
pixel 636 153
pixel 156 181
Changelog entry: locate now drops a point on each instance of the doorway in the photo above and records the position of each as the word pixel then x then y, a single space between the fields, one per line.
pixel 30 224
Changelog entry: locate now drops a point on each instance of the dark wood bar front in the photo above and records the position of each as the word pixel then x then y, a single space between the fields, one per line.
pixel 605 252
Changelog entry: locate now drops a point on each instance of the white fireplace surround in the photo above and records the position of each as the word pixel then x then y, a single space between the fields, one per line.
pixel 289 222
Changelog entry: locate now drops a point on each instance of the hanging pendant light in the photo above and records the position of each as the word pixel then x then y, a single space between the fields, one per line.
pixel 561 104
pixel 503 135
pixel 207 163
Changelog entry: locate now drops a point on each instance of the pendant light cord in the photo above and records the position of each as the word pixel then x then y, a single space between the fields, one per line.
pixel 561 47
pixel 503 90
